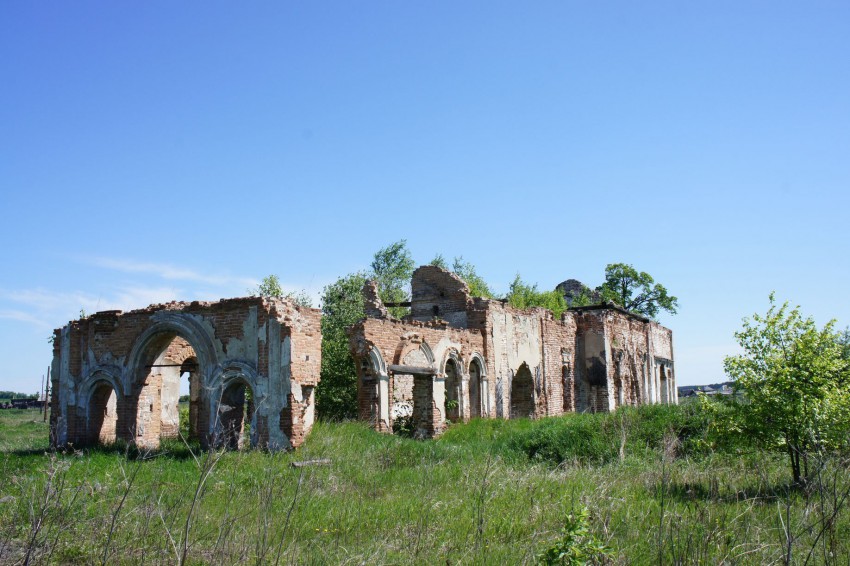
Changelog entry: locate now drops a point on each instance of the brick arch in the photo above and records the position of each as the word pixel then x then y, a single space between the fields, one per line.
pixel 522 392
pixel 222 410
pixel 97 412
pixel 109 373
pixel 375 385
pixel 453 399
pixel 479 389
pixel 451 353
pixel 376 361
pixel 408 344
pixel 148 415
pixel 180 324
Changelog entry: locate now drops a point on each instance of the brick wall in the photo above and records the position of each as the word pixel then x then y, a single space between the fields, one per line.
pixel 594 358
pixel 262 342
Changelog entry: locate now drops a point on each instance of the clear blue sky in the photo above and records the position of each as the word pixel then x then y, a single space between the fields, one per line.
pixel 152 151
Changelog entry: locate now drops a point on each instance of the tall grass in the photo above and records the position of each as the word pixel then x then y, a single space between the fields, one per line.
pixel 487 492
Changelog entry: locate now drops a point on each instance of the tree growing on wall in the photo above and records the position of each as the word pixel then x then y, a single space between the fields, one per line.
pixel 392 268
pixel 270 287
pixel 795 385
pixel 636 291
pixel 523 295
pixel 466 271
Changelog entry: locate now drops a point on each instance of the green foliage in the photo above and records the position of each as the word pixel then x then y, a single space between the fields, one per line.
pixel 439 261
pixel 465 498
pixel 844 341
pixel 522 295
pixel 15 395
pixel 795 383
pixel 600 438
pixel 270 287
pixel 404 426
pixel 466 271
pixel 342 306
pixel 583 299
pixel 578 545
pixel 635 291
pixel 183 412
pixel 392 267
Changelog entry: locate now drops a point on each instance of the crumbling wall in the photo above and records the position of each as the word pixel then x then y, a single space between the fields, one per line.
pixel 269 346
pixel 409 343
pixel 439 294
pixel 593 358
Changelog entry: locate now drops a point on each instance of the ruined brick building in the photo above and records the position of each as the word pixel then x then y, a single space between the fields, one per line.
pixel 456 357
pixel 249 361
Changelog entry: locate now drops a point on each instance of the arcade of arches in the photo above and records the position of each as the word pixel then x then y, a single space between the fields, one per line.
pixel 457 357
pixel 246 369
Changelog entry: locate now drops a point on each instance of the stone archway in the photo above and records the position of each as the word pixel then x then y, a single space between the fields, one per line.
pixel 453 401
pixel 479 392
pixel 102 414
pixel 522 393
pixel 153 375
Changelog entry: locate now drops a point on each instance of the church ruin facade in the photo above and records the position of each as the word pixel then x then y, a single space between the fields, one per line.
pixel 250 366
pixel 457 357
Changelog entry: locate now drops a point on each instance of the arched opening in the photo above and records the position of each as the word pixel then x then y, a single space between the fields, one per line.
pixel 565 384
pixel 374 391
pixel 236 412
pixel 582 392
pixel 412 395
pixel 168 365
pixel 190 385
pixel 453 399
pixel 477 390
pixel 522 393
pixel 665 397
pixel 102 414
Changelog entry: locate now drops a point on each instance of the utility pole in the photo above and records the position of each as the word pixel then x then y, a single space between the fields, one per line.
pixel 46 390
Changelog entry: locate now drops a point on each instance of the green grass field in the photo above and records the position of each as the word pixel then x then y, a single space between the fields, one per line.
pixel 487 492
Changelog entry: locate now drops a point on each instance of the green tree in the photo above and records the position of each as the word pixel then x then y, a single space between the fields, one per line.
pixel 635 291
pixel 793 378
pixel 439 261
pixel 270 287
pixel 342 306
pixel 844 340
pixel 466 271
pixel 523 295
pixel 392 268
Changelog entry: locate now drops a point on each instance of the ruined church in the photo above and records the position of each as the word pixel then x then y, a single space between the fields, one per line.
pixel 457 357
pixel 252 364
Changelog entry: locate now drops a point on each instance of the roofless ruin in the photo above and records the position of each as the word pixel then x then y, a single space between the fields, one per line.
pixel 251 366
pixel 457 357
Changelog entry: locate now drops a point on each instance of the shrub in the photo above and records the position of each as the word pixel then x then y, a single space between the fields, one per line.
pixel 577 545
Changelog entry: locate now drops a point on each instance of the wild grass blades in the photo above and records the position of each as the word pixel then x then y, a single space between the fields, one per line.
pixel 128 482
pixel 475 496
